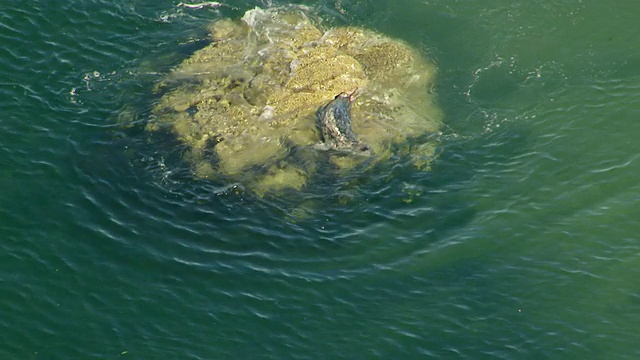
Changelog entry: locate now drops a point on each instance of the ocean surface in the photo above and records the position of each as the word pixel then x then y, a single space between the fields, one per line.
pixel 521 242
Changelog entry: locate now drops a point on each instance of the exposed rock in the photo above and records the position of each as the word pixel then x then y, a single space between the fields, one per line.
pixel 250 97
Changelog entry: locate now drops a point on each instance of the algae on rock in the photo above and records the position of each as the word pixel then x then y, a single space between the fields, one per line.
pixel 250 97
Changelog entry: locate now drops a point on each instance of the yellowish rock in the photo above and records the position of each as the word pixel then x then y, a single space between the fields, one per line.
pixel 250 97
pixel 278 179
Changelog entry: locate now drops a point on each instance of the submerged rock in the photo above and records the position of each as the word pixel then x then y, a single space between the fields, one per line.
pixel 246 105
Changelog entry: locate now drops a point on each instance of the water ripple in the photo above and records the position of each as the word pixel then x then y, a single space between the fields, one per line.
pixel 110 239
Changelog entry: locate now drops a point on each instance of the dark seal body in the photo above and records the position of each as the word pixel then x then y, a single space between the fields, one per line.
pixel 334 122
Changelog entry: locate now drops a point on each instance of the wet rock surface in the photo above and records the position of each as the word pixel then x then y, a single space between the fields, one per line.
pixel 246 105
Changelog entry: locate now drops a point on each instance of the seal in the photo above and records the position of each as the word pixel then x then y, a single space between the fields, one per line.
pixel 333 119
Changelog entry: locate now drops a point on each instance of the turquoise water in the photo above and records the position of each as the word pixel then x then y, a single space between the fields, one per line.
pixel 521 242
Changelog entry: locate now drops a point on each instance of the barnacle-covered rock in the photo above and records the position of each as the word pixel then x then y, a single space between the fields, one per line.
pixel 245 104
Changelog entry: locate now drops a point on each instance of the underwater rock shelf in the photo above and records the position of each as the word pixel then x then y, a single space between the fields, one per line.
pixel 245 104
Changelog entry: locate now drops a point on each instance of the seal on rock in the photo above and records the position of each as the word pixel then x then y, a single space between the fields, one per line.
pixel 258 103
pixel 333 119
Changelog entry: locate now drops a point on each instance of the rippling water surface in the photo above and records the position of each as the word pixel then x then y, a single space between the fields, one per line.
pixel 521 242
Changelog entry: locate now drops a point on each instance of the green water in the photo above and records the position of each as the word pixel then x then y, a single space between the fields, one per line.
pixel 521 242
